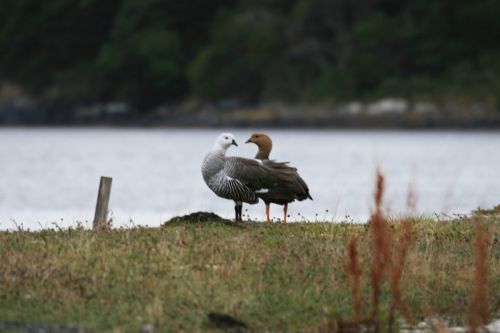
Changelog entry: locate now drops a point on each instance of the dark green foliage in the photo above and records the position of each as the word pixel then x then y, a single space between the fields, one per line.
pixel 142 58
pixel 149 51
pixel 39 39
pixel 236 62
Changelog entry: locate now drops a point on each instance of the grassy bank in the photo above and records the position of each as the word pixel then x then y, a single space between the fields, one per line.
pixel 280 277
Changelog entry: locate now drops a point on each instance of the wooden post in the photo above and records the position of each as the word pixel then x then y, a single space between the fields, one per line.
pixel 101 207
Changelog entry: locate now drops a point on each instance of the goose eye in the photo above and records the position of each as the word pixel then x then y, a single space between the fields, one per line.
pixel 227 137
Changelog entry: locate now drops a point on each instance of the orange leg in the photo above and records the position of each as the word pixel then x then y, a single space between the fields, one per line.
pixel 285 210
pixel 267 213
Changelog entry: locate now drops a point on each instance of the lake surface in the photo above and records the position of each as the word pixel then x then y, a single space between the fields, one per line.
pixel 51 175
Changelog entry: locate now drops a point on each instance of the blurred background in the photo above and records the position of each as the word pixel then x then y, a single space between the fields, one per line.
pixel 364 63
pixel 362 71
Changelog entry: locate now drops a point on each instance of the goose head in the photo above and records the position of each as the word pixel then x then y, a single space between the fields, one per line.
pixel 264 142
pixel 224 141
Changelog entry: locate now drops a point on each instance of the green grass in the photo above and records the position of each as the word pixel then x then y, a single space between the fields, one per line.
pixel 279 277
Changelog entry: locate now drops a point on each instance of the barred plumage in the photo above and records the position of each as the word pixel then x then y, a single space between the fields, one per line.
pixel 216 170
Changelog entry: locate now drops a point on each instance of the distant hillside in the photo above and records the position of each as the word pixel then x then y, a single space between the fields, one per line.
pixel 149 52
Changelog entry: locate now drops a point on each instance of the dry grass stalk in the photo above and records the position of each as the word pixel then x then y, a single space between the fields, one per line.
pixel 479 314
pixel 399 261
pixel 353 271
pixel 382 237
pixel 411 200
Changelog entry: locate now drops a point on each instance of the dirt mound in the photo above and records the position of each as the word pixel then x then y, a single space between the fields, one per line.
pixel 200 217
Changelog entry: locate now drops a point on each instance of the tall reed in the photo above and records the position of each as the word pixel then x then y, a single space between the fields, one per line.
pixel 401 250
pixel 479 312
pixel 382 240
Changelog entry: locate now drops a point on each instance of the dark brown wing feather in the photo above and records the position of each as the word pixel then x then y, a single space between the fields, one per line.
pixel 292 188
pixel 252 173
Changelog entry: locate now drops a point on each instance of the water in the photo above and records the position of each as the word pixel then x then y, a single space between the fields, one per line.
pixel 51 175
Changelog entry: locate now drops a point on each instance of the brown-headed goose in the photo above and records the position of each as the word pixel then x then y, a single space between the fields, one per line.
pixel 242 179
pixel 281 195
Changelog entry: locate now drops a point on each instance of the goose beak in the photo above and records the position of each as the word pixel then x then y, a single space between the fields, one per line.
pixel 234 143
pixel 249 140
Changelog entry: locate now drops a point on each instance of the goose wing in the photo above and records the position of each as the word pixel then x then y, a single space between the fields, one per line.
pixel 252 173
pixel 291 181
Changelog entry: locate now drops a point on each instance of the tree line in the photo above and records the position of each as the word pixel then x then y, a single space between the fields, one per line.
pixel 149 52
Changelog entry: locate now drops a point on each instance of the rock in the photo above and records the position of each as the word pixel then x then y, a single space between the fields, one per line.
pixel 148 328
pixel 387 105
pixel 225 321
pixel 425 107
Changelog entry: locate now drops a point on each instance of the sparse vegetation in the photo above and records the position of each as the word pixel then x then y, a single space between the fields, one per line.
pixel 279 277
